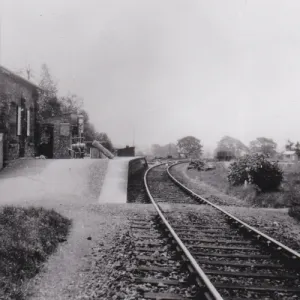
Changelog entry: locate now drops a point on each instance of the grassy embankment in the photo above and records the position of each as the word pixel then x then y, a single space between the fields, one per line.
pixel 288 193
pixel 28 236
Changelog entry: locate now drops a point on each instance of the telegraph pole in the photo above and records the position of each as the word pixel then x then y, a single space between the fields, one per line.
pixel 133 136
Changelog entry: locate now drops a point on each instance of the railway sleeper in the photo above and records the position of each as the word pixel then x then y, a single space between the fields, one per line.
pixel 247 274
pixel 263 288
pixel 241 265
pixel 216 241
pixel 165 296
pixel 232 255
pixel 159 281
pixel 225 248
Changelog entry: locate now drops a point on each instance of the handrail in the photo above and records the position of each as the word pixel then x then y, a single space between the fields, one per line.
pixel 278 244
pixel 212 290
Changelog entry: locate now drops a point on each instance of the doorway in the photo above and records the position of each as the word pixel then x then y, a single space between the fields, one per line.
pixel 46 144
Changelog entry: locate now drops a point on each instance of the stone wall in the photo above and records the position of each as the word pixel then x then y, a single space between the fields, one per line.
pixel 62 135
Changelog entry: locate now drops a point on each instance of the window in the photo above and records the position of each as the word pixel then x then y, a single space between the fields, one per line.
pixel 28 122
pixel 18 120
pixel 31 122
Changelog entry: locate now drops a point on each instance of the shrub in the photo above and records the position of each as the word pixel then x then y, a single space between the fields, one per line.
pixel 197 164
pixel 28 237
pixel 292 187
pixel 257 170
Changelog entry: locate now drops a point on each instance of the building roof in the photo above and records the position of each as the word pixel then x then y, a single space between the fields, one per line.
pixel 18 77
pixel 289 152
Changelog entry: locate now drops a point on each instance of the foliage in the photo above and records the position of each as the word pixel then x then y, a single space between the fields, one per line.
pixel 28 237
pixel 289 146
pixel 190 146
pixel 48 102
pixel 104 140
pixel 297 149
pixel 51 105
pixel 71 104
pixel 224 155
pixel 197 164
pixel 232 145
pixel 165 150
pixel 257 170
pixel 264 146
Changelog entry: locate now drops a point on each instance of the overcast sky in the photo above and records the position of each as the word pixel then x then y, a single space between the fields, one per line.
pixel 167 68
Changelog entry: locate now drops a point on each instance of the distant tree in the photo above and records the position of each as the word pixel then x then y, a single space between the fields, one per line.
pixel 297 149
pixel 165 150
pixel 104 140
pixel 71 104
pixel 264 146
pixel 289 146
pixel 48 103
pixel 190 146
pixel 231 145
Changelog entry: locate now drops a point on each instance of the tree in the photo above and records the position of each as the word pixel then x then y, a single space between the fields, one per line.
pixel 190 146
pixel 289 146
pixel 297 149
pixel 232 146
pixel 264 146
pixel 165 150
pixel 71 104
pixel 104 140
pixel 48 104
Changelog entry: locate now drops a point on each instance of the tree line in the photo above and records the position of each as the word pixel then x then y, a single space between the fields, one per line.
pixel 227 148
pixel 51 105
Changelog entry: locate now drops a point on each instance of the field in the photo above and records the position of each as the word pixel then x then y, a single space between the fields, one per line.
pixel 288 192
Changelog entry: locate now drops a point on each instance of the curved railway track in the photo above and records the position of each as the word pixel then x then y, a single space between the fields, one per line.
pixel 225 257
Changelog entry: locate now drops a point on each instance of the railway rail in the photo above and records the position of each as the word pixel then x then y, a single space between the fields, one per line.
pixel 225 257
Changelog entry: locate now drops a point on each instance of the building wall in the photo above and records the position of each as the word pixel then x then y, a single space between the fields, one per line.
pixel 128 151
pixel 61 139
pixel 290 157
pixel 12 90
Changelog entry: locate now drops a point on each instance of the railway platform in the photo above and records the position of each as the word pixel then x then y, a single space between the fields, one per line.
pixel 114 189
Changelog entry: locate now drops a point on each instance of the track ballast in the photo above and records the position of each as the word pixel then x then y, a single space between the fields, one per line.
pixel 227 258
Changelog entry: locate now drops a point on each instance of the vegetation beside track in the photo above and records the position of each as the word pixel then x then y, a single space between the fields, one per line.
pixel 215 182
pixel 28 237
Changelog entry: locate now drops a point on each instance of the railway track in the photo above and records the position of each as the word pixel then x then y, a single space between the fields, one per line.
pixel 225 257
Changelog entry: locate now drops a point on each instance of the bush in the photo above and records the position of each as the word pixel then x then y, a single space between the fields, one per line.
pixel 257 170
pixel 28 237
pixel 292 187
pixel 196 164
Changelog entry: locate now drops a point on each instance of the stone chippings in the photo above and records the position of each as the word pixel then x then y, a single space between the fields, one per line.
pixel 108 269
pixel 207 216
pixel 109 275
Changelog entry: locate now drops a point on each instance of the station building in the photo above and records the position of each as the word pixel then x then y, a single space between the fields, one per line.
pixel 18 107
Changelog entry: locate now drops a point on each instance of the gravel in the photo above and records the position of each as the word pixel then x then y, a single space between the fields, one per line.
pixel 201 215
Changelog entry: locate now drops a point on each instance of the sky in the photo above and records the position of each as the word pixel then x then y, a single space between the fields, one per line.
pixel 153 71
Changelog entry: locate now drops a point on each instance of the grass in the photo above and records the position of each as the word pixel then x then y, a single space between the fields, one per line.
pixel 288 193
pixel 27 237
